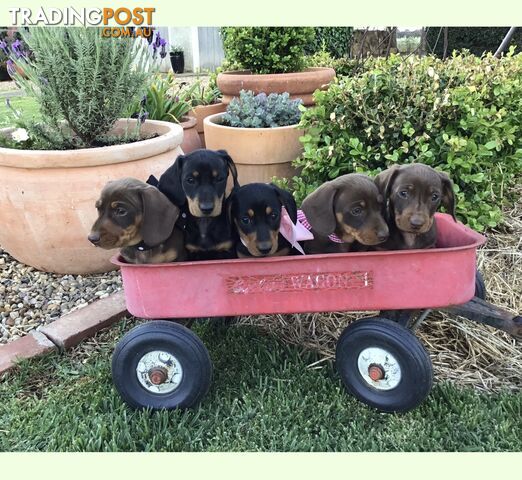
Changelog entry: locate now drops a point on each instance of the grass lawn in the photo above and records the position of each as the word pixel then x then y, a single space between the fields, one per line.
pixel 26 105
pixel 263 397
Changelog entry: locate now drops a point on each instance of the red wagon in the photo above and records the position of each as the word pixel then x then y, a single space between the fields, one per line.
pixel 163 364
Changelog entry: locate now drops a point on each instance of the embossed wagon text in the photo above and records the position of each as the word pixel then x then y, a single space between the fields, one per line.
pixel 250 284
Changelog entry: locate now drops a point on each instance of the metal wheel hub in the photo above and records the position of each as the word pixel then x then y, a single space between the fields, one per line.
pixel 159 372
pixel 379 368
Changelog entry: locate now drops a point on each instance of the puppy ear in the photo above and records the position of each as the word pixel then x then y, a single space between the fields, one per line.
pixel 230 165
pixel 319 209
pixel 170 182
pixel 448 195
pixel 385 179
pixel 287 200
pixel 159 216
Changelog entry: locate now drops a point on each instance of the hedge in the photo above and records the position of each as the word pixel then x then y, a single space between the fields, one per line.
pixel 462 116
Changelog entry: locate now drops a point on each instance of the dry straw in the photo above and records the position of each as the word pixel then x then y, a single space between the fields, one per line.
pixel 462 351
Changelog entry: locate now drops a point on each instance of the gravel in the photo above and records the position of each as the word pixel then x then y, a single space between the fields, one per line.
pixel 30 298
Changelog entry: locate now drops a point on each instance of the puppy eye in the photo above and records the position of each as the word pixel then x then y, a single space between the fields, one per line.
pixel 120 212
pixel 274 215
pixel 356 211
pixel 403 194
pixel 246 220
pixel 434 197
pixel 220 179
pixel 190 180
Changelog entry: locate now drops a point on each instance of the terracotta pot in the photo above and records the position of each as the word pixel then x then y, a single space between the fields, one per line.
pixel 299 84
pixel 47 197
pixel 259 153
pixel 191 139
pixel 203 111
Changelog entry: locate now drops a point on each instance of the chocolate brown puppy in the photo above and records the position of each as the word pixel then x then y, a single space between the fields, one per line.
pixel 345 214
pixel 413 194
pixel 138 219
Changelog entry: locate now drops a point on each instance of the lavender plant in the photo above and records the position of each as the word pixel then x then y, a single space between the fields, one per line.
pixel 262 111
pixel 82 81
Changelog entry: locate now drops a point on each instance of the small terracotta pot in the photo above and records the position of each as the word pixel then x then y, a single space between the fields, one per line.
pixel 203 111
pixel 299 84
pixel 191 139
pixel 47 197
pixel 259 153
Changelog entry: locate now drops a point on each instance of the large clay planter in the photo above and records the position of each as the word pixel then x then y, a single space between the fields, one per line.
pixel 191 140
pixel 47 197
pixel 299 84
pixel 259 153
pixel 203 111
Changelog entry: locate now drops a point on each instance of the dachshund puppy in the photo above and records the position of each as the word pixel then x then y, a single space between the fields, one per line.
pixel 413 194
pixel 256 210
pixel 344 215
pixel 196 183
pixel 140 220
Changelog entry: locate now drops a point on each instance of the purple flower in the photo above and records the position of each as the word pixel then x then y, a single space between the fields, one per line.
pixel 18 50
pixel 3 46
pixel 163 52
pixel 143 101
pixel 158 40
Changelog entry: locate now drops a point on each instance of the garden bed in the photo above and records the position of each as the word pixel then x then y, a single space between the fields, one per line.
pixel 31 299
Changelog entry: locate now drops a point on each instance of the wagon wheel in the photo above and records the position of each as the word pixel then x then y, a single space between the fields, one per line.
pixel 384 365
pixel 480 286
pixel 161 364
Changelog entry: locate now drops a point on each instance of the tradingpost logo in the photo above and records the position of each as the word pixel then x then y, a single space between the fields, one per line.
pixel 119 22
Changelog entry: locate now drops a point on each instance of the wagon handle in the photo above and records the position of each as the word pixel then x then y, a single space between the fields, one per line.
pixel 481 311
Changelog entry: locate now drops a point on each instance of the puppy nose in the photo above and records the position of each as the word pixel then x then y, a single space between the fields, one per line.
pixel 206 207
pixel 416 222
pixel 94 238
pixel 382 235
pixel 264 247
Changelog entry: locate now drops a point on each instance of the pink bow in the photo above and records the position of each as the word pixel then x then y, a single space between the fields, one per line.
pixel 293 232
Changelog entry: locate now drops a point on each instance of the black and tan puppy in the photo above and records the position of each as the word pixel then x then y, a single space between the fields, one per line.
pixel 138 219
pixel 255 210
pixel 413 194
pixel 197 183
pixel 345 214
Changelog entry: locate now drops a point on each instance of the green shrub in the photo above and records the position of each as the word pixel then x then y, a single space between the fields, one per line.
pixel 342 66
pixel 475 39
pixel 262 110
pixel 267 49
pixel 82 81
pixel 334 40
pixel 164 100
pixel 462 116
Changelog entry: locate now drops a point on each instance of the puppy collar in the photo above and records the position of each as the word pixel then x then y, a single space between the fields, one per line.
pixel 142 247
pixel 301 218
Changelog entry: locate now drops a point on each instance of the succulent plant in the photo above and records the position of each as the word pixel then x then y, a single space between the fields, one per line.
pixel 262 110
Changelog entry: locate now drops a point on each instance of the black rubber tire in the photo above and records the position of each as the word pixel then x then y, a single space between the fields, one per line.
pixel 416 368
pixel 174 338
pixel 480 286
